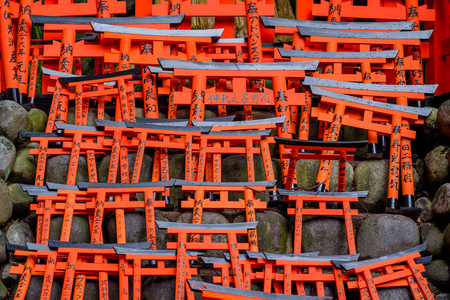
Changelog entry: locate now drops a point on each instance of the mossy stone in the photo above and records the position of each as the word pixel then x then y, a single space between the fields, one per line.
pixel 144 176
pixel 437 167
pixel 20 233
pixel 38 119
pixel 57 169
pixel 5 204
pixel 14 118
pixel 20 200
pixel 8 156
pixel 443 118
pixel 92 116
pixel 24 169
pixel 434 238
pixel 79 232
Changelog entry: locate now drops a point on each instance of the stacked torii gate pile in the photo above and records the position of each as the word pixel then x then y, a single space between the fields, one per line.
pixel 142 60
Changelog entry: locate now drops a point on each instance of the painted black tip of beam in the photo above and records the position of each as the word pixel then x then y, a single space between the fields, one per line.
pixel 101 76
pixel 14 247
pixel 230 226
pixel 338 144
pixel 59 186
pixel 61 244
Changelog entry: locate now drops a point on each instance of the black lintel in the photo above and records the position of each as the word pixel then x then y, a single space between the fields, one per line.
pixel 213 120
pixel 396 35
pixel 122 251
pixel 37 247
pixel 401 108
pixel 311 143
pixel 58 186
pixel 272 22
pixel 217 123
pixel 60 74
pixel 353 265
pixel 231 66
pixel 200 286
pixel 75 127
pixel 89 38
pixel 413 88
pixel 99 27
pixel 337 55
pixel 214 260
pixel 28 134
pixel 241 256
pixel 173 19
pixel 205 129
pixel 255 255
pixel 296 257
pixel 230 226
pixel 242 133
pixel 101 76
pixel 360 194
pixel 157 70
pixel 109 123
pixel 60 244
pixel 425 260
pixel 14 247
pixel 269 184
pixel 100 185
pixel 37 190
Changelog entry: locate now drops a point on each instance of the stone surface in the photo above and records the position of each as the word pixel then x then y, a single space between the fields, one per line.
pixel 57 169
pixel 425 204
pixel 35 288
pixel 234 169
pixel 446 238
pixel 3 291
pixel 324 234
pixel 438 273
pixel 436 167
pixel 443 118
pixel 20 233
pixel 383 234
pixel 176 171
pixel 307 174
pixel 441 202
pixel 6 276
pixel 79 232
pixel 162 288
pixel 274 232
pixel 20 200
pixel 92 115
pixel 135 229
pixel 38 119
pixel 146 168
pixel 3 252
pixel 13 118
pixel 24 169
pixel 431 235
pixel 395 293
pixel 208 217
pixel 8 156
pixel 5 204
pixel 442 297
pixel 428 134
pixel 91 291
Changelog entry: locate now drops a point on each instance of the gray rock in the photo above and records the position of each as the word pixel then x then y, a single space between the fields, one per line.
pixel 274 232
pixel 24 169
pixel 442 297
pixel 5 203
pixel 135 229
pixel 92 115
pixel 8 155
pixel 38 119
pixel 383 234
pixel 79 232
pixel 438 273
pixel 234 169
pixel 443 118
pixel 162 288
pixel 441 202
pixel 446 237
pixel 307 171
pixel 6 276
pixel 20 200
pixel 176 171
pixel 20 233
pixel 35 288
pixel 428 134
pixel 431 235
pixel 145 174
pixel 311 290
pixel 57 169
pixel 91 291
pixel 3 253
pixel 372 176
pixel 208 217
pixel 425 204
pixel 13 118
pixel 436 167
pixel 395 293
pixel 324 234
